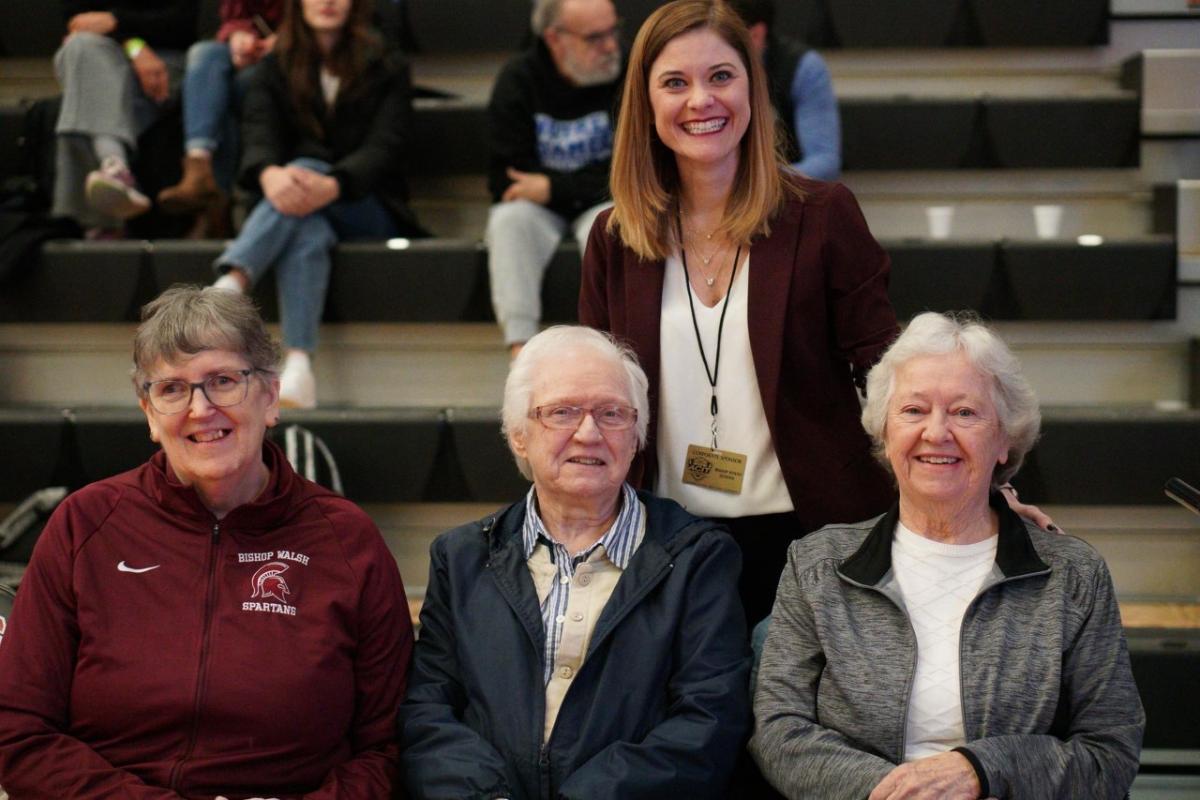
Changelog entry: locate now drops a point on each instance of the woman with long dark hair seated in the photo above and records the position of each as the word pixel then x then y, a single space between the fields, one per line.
pixel 323 135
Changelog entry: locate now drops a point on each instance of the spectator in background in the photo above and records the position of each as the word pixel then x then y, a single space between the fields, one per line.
pixel 324 128
pixel 118 67
pixel 801 92
pixel 213 87
pixel 550 132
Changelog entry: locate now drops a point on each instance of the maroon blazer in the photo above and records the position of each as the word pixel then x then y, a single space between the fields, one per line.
pixel 819 317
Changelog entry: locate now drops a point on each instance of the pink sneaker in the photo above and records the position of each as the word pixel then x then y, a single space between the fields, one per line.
pixel 112 191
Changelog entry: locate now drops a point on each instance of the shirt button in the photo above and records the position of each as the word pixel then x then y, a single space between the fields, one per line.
pixel 560 619
pixel 577 617
pixel 565 672
pixel 564 579
pixel 584 580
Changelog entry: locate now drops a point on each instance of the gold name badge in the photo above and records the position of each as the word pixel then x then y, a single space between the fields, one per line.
pixel 722 470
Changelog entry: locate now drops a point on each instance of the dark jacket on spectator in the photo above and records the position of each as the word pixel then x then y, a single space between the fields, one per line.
pixel 782 57
pixel 163 24
pixel 363 137
pixel 528 90
pixel 658 709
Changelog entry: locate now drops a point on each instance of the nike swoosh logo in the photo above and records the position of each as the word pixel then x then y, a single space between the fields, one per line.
pixel 123 567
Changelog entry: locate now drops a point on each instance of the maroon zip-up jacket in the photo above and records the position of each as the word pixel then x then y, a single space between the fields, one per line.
pixel 819 317
pixel 156 652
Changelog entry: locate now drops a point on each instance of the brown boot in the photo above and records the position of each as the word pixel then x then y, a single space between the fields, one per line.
pixel 213 223
pixel 195 192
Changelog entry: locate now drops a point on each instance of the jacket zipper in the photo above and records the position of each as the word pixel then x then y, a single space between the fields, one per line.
pixel 912 667
pixel 544 769
pixel 962 627
pixel 202 672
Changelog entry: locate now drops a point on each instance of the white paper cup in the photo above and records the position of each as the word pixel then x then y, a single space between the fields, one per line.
pixel 1048 221
pixel 941 219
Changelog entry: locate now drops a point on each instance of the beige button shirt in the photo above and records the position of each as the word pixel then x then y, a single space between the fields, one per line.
pixel 591 587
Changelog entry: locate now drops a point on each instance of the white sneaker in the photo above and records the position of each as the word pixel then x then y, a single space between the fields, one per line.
pixel 297 384
pixel 112 191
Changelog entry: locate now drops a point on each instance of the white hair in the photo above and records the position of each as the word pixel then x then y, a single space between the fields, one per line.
pixel 545 14
pixel 932 333
pixel 555 344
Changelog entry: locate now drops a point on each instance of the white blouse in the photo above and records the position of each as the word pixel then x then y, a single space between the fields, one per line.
pixel 684 417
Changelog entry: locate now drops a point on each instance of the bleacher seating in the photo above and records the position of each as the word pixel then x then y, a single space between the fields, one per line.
pixel 415 455
pixel 444 280
pixel 891 133
pixel 1004 142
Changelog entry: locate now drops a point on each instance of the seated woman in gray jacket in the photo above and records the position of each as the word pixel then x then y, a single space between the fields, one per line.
pixel 947 649
pixel 587 641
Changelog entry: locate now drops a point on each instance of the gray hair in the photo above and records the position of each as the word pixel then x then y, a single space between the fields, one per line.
pixel 545 14
pixel 939 334
pixel 185 320
pixel 555 344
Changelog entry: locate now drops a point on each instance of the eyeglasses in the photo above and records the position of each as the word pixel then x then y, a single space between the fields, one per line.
pixel 569 418
pixel 224 389
pixel 599 38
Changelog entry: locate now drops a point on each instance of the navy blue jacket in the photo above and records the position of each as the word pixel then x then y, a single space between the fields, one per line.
pixel 659 707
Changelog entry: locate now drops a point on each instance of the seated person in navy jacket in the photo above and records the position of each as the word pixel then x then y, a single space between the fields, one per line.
pixel 587 641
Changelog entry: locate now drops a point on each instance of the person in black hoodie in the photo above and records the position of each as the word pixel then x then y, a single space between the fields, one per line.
pixel 324 127
pixel 118 67
pixel 550 125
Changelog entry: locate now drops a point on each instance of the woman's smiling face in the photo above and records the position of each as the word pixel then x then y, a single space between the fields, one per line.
pixel 209 446
pixel 700 94
pixel 943 435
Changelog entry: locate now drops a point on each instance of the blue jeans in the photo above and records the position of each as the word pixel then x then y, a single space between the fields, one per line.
pixel 212 101
pixel 299 249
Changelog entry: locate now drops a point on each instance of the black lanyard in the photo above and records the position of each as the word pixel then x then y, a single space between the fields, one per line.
pixel 710 374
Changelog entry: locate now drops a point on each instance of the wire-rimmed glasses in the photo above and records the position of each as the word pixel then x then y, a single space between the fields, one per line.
pixel 610 417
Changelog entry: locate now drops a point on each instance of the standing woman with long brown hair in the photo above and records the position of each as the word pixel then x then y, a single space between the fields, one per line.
pixel 756 298
pixel 324 127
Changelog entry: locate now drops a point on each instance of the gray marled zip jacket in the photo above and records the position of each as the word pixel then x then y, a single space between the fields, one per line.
pixel 1050 709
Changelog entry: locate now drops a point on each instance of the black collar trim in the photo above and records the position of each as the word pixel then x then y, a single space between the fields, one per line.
pixel 1015 553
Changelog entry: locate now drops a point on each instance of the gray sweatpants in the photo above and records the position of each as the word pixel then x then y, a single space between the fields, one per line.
pixel 521 238
pixel 101 97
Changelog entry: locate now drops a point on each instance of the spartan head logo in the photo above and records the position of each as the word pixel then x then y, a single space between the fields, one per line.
pixel 268 582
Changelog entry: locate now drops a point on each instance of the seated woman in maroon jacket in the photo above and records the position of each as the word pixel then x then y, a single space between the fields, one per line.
pixel 210 623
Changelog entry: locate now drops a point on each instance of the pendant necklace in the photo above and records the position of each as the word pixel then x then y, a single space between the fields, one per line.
pixel 706 259
pixel 716 364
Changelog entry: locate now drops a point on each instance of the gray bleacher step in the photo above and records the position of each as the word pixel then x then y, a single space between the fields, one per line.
pixel 1153 552
pixel 443 280
pixel 437 365
pixel 410 528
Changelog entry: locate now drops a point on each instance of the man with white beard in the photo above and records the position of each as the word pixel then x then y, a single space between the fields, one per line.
pixel 551 121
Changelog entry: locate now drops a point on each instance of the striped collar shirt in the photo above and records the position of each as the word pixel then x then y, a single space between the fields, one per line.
pixel 619 543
